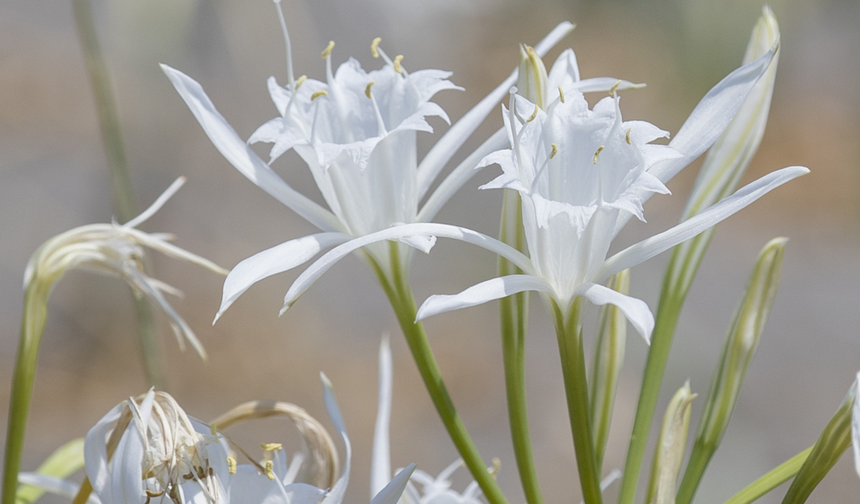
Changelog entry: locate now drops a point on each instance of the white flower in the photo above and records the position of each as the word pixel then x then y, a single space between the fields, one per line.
pixel 357 133
pixel 422 488
pixel 163 455
pixel 118 250
pixel 582 175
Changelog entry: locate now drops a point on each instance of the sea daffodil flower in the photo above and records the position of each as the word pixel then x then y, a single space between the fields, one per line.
pixel 357 133
pixel 582 174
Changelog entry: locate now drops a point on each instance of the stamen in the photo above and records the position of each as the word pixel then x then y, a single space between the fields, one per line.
pixel 561 94
pixel 287 43
pixel 231 465
pixel 597 153
pixel 327 51
pixel 213 429
pixel 301 80
pixel 497 466
pixel 150 493
pixel 270 470
pixel 533 116
pixel 613 88
pixel 367 89
pixel 554 151
pixel 270 447
pixel 374 47
pixel 397 67
pixel 628 136
pixel 317 94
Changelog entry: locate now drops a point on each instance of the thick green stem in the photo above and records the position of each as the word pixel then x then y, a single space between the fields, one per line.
pixel 771 480
pixel 403 302
pixel 514 319
pixel 569 333
pixel 671 301
pixel 32 325
pixel 124 203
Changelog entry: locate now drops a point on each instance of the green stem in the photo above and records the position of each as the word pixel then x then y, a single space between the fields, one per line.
pixel 514 319
pixel 32 326
pixel 569 333
pixel 403 302
pixel 124 203
pixel 699 459
pixel 771 480
pixel 661 343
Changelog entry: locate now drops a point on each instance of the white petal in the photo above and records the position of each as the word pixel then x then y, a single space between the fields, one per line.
pixel 157 204
pixel 272 261
pixel 237 152
pixel 855 424
pixel 380 464
pixel 318 268
pixel 335 495
pixel 95 453
pixel 453 139
pixel 636 310
pixel 392 492
pixel 650 247
pixel 711 116
pixel 489 290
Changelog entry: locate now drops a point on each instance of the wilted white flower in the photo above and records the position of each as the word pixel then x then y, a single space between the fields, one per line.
pixel 118 250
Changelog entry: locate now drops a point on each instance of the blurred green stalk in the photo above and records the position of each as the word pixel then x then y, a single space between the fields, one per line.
pixel 513 311
pixel 402 300
pixel 124 203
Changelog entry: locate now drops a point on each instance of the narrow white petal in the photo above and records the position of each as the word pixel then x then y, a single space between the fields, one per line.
pixel 380 464
pixel 636 310
pixel 53 485
pixel 489 290
pixel 95 453
pixel 648 248
pixel 460 175
pixel 453 139
pixel 335 495
pixel 318 268
pixel 393 490
pixel 597 84
pixel 855 424
pixel 237 152
pixel 711 116
pixel 272 261
pixel 157 204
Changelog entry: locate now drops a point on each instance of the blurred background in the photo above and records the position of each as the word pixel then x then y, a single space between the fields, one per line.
pixel 53 176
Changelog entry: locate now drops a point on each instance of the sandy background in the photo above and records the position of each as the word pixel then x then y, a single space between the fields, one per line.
pixel 53 177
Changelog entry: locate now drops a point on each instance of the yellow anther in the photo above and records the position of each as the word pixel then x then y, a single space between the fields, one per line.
pixel 397 60
pixel 613 88
pixel 270 470
pixel 317 94
pixel 374 47
pixel 497 466
pixel 554 151
pixel 367 89
pixel 597 153
pixel 327 51
pixel 561 94
pixel 231 465
pixel 150 493
pixel 301 80
pixel 270 447
pixel 534 115
pixel 213 429
pixel 628 136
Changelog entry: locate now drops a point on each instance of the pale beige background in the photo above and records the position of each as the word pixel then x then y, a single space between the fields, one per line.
pixel 53 177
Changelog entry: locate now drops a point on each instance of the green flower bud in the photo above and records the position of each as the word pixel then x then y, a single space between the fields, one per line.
pixel 608 357
pixel 532 79
pixel 740 346
pixel 670 448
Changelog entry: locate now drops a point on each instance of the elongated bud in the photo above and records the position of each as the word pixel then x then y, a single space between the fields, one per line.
pixel 740 346
pixel 670 448
pixel 532 78
pixel 728 158
pixel 831 444
pixel 608 358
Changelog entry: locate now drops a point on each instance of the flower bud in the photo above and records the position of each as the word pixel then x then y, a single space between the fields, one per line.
pixel 532 77
pixel 670 448
pixel 740 346
pixel 831 444
pixel 608 358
